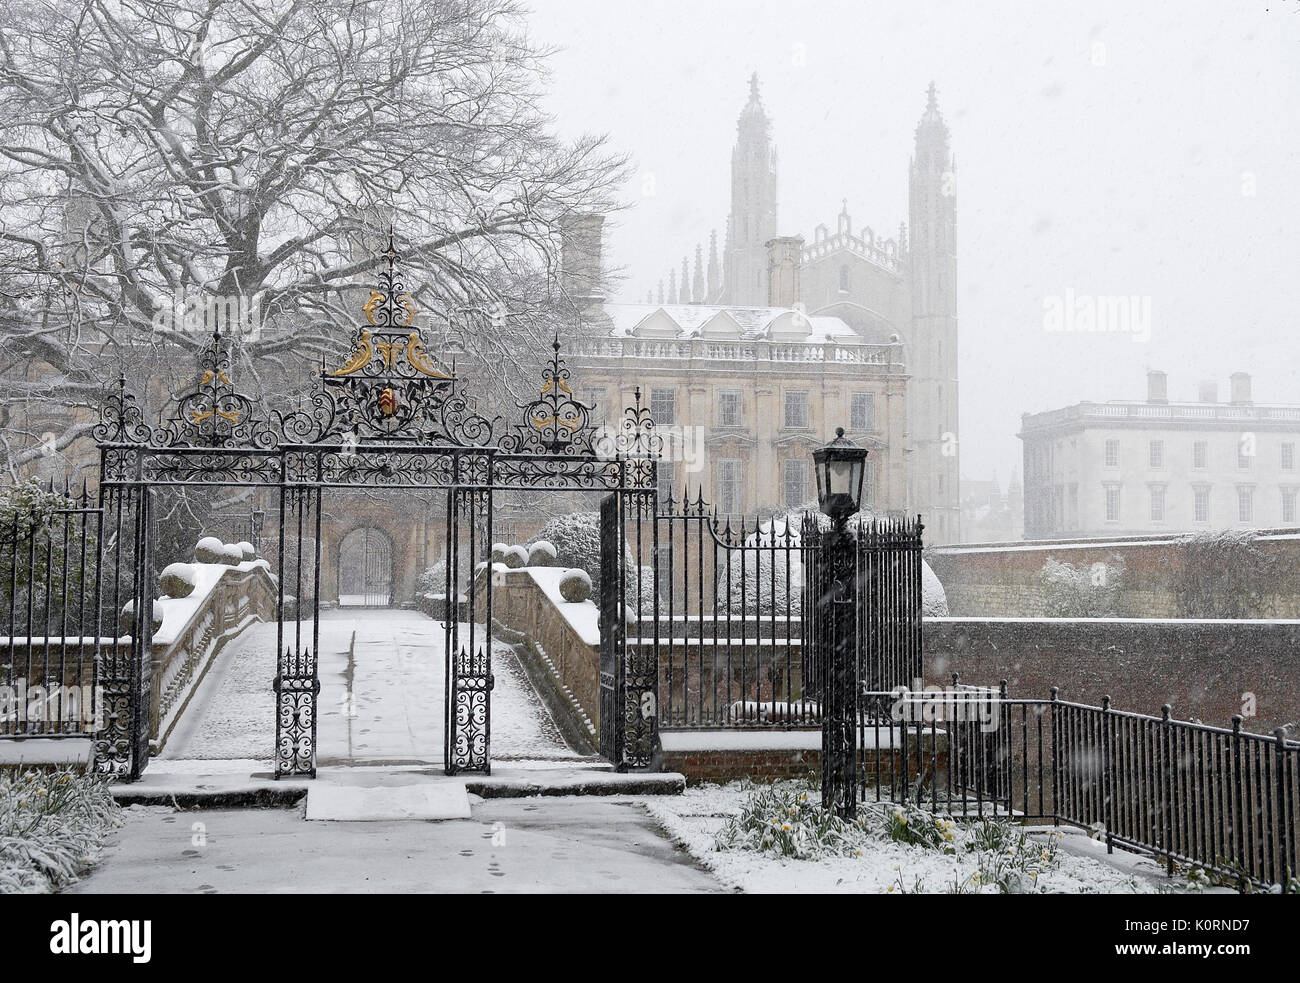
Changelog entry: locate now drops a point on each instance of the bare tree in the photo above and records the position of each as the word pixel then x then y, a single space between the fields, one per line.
pixel 255 152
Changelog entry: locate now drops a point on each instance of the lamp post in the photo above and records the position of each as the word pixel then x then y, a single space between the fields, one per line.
pixel 839 467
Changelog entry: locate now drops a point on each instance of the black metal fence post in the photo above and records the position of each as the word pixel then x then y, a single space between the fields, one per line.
pixel 840 676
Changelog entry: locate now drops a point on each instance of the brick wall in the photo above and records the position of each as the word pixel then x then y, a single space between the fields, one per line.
pixel 1207 670
pixel 773 764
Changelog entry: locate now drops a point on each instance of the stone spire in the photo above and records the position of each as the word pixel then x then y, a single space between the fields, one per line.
pixel 697 281
pixel 685 297
pixel 932 344
pixel 672 286
pixel 751 221
pixel 661 292
pixel 715 271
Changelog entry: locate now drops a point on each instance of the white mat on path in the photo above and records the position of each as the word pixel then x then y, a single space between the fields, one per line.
pixel 353 803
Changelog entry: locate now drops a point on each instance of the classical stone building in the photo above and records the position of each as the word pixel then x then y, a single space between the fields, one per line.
pixel 745 394
pixel 1132 467
pixel 852 284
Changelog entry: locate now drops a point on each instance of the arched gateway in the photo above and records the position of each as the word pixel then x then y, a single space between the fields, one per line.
pixel 389 416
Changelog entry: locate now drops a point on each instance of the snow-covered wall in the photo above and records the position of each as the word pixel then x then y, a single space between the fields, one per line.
pixel 1001 580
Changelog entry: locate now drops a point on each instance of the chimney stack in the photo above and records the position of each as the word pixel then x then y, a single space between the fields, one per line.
pixel 1239 386
pixel 784 271
pixel 1157 386
pixel 1208 391
pixel 580 258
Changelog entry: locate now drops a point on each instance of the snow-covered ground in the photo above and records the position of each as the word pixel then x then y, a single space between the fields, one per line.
pixel 884 866
pixel 381 703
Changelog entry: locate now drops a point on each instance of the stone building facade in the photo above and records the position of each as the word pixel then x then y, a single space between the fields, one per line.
pixel 1133 467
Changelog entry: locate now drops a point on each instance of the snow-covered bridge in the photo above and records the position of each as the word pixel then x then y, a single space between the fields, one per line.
pixel 382 693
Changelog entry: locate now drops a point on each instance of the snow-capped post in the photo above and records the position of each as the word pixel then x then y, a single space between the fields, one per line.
pixel 839 467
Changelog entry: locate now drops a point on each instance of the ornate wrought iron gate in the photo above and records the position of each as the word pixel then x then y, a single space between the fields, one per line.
pixel 629 674
pixel 390 416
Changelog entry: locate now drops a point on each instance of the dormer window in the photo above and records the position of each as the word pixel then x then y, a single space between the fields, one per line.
pixel 844 279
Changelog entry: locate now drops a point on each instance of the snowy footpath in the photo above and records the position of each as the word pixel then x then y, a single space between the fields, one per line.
pixel 382 677
pixel 551 845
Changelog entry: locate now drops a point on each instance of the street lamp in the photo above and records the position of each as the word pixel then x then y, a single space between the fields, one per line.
pixel 840 467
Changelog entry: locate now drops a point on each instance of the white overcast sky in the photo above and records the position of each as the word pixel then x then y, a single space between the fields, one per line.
pixel 1120 178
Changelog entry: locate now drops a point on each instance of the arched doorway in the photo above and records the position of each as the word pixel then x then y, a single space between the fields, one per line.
pixel 365 571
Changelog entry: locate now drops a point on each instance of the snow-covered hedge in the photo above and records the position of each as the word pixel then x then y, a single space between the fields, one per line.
pixel 53 823
pixel 432 581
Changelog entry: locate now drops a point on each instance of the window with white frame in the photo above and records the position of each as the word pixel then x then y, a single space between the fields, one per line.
pixel 663 406
pixel 1157 503
pixel 1200 455
pixel 1201 504
pixel 862 411
pixel 1245 451
pixel 1245 503
pixel 1157 450
pixel 729 486
pixel 1288 456
pixel 796 408
pixel 796 482
pixel 731 412
pixel 1288 505
pixel 1112 453
pixel 1112 503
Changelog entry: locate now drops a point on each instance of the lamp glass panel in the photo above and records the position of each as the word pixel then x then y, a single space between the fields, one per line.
pixel 841 477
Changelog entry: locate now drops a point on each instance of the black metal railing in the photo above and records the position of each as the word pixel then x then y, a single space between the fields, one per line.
pixel 1219 798
pixel 50 608
pixel 728 612
pixel 730 594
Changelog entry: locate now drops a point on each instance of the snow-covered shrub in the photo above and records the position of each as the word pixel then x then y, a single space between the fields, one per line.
pixel 576 538
pixel 433 580
pixel 246 548
pixel 541 554
pixel 209 549
pixel 575 586
pixel 53 823
pixel 1083 592
pixel 29 513
pixel 177 579
pixel 934 599
pixel 1223 575
pixel 515 557
pixel 786 819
